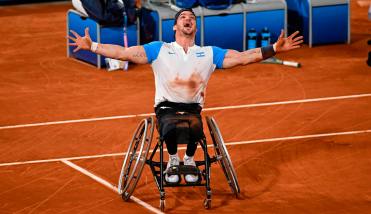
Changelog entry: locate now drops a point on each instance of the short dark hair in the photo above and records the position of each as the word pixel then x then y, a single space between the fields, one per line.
pixel 180 12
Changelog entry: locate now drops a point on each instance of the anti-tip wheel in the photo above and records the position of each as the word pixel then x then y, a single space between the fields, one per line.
pixel 207 203
pixel 162 205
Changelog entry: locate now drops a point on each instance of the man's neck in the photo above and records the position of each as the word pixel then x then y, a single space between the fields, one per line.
pixel 185 42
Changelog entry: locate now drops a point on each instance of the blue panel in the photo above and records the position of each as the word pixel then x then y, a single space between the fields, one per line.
pixel 186 3
pixel 298 17
pixel 167 30
pixel 78 24
pixel 109 35
pixel 225 31
pixel 154 16
pixel 274 20
pixel 115 35
pixel 330 24
pixel 168 33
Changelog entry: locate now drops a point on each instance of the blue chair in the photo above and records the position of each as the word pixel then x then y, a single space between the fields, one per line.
pixel 320 21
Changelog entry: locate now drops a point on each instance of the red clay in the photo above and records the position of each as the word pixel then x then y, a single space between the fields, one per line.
pixel 313 175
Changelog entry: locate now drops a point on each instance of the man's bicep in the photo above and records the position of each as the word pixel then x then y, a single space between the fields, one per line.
pixel 135 54
pixel 230 62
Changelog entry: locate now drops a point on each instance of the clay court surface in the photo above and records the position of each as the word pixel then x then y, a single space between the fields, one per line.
pixel 301 142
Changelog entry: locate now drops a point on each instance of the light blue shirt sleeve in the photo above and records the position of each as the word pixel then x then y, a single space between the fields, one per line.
pixel 152 50
pixel 218 56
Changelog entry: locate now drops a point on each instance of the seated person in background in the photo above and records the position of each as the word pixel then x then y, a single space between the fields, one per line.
pixel 107 12
pixel 78 6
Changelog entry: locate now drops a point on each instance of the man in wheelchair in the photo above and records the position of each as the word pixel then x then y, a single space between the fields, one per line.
pixel 182 70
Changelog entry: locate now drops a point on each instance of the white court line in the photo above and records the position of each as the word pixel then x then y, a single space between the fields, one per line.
pixel 109 185
pixel 182 148
pixel 299 137
pixel 60 159
pixel 205 109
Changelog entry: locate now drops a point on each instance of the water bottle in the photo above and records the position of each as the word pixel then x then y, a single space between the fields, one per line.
pixel 251 38
pixel 265 37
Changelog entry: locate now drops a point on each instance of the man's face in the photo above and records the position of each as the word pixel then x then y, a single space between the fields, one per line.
pixel 186 23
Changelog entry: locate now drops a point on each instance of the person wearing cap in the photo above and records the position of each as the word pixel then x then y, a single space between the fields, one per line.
pixel 182 70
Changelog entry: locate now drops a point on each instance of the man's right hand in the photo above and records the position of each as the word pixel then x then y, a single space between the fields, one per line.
pixel 83 43
pixel 134 54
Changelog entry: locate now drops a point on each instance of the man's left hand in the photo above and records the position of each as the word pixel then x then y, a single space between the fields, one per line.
pixel 289 43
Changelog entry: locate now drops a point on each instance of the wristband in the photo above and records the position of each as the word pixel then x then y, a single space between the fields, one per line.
pixel 268 52
pixel 94 47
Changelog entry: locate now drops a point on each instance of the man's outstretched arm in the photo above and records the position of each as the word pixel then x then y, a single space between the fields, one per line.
pixel 134 54
pixel 234 58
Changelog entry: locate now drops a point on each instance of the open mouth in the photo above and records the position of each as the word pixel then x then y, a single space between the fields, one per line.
pixel 187 25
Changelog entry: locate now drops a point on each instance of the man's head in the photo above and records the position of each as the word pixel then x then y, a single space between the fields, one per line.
pixel 185 23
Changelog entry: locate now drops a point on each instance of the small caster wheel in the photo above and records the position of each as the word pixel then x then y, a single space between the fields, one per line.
pixel 162 205
pixel 125 196
pixel 207 203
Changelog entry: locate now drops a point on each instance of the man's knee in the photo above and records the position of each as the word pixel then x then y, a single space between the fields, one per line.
pixel 196 128
pixel 180 128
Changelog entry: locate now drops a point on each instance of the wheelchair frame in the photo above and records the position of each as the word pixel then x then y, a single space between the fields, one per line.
pixel 138 150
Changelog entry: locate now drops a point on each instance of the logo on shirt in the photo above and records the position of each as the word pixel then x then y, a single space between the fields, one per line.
pixel 169 52
pixel 200 54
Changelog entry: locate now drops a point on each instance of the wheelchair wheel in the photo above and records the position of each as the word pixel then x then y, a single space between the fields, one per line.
pixel 135 158
pixel 222 155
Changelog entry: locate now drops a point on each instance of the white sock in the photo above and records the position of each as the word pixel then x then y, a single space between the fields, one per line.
pixel 187 157
pixel 173 156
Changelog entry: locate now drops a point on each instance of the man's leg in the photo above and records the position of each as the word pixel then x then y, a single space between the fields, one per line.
pixel 172 148
pixel 191 149
pixel 197 134
pixel 171 144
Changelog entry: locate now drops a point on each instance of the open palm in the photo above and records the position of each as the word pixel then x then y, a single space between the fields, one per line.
pixel 289 43
pixel 83 43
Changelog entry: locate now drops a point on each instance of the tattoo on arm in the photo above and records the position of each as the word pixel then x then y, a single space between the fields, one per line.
pixel 252 55
pixel 139 54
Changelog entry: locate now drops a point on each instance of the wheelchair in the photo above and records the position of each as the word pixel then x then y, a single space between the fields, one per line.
pixel 137 156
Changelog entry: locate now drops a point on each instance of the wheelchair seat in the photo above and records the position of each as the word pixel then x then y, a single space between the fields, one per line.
pixel 185 127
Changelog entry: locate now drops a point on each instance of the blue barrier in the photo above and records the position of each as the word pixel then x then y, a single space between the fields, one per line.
pixel 98 33
pixel 320 21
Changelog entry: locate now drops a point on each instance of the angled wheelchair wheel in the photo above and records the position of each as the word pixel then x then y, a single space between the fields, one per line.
pixel 222 155
pixel 135 158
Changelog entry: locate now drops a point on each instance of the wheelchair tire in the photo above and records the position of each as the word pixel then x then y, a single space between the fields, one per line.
pixel 135 158
pixel 222 155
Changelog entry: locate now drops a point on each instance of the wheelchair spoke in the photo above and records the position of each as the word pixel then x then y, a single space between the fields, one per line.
pixel 222 156
pixel 135 158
